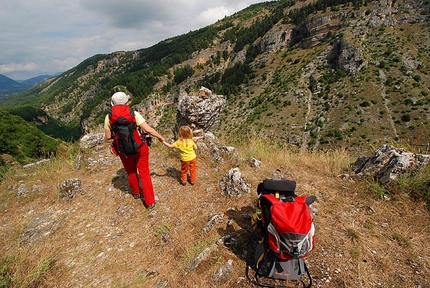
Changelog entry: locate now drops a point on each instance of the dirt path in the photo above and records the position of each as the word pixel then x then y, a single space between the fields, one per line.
pixel 387 101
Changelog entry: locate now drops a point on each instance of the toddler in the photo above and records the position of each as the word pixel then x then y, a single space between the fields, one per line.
pixel 186 147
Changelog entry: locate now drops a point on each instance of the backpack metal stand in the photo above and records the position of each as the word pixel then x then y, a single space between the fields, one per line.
pixel 267 265
pixel 277 265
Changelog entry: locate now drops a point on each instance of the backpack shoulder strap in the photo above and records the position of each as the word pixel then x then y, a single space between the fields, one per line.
pixel 310 200
pixel 125 111
pixel 130 110
pixel 266 201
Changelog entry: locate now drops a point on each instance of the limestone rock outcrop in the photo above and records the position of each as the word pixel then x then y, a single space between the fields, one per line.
pixel 388 163
pixel 202 111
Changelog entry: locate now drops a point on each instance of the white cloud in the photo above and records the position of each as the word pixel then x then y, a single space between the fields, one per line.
pixel 213 14
pixel 50 36
pixel 4 69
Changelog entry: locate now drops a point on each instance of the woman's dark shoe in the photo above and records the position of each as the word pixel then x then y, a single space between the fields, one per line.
pixel 136 196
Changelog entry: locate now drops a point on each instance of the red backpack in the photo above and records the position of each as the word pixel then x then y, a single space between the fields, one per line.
pixel 290 228
pixel 126 138
pixel 283 232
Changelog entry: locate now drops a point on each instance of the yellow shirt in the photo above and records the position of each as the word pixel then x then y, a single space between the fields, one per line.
pixel 137 115
pixel 186 149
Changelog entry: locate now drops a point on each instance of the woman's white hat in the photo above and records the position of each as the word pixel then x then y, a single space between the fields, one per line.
pixel 119 98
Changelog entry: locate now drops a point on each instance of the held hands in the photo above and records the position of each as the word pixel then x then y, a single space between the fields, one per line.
pixel 168 145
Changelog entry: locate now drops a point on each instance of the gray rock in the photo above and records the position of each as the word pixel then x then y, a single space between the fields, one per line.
pixel 255 163
pixel 223 272
pixel 347 57
pixel 200 112
pixel 91 140
pixel 43 161
pixel 70 187
pixel 388 163
pixel 22 190
pixel 213 220
pixel 202 256
pixel 78 161
pixel 41 227
pixel 233 183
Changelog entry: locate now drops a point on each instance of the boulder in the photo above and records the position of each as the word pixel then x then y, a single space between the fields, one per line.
pixel 200 112
pixel 91 140
pixel 234 184
pixel 388 163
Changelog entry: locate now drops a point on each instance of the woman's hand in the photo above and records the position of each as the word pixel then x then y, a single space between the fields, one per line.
pixel 151 131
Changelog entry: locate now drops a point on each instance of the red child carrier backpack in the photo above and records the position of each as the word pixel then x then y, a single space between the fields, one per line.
pixel 285 234
pixel 290 228
pixel 126 138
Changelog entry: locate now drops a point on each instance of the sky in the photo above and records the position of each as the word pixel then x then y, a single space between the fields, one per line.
pixel 45 37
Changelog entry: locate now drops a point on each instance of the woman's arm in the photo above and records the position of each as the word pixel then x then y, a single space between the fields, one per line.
pixel 108 134
pixel 151 131
pixel 168 144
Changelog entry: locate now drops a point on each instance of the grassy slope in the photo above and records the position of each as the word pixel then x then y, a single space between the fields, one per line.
pixel 105 238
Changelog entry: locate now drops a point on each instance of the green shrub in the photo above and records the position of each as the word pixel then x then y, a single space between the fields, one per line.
pixel 376 190
pixel 365 104
pixel 415 185
pixel 408 101
pixel 406 118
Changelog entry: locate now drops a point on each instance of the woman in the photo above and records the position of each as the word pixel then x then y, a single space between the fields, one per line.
pixel 137 162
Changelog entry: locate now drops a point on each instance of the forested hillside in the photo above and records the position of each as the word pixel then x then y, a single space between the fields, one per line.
pixel 23 141
pixel 314 75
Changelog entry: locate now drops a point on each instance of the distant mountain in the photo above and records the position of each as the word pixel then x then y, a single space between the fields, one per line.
pixel 9 86
pixel 33 81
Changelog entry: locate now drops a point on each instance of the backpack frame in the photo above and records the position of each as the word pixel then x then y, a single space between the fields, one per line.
pixel 280 209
